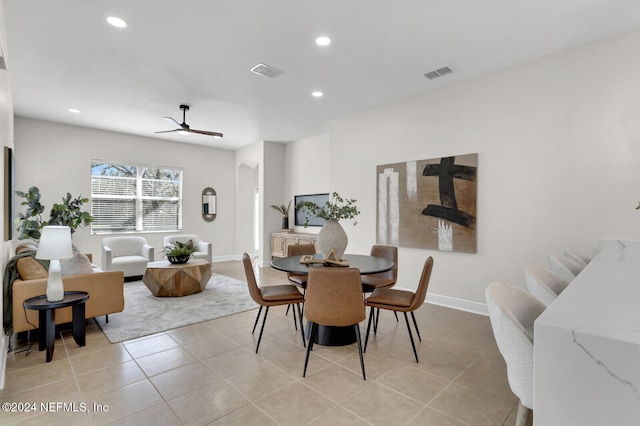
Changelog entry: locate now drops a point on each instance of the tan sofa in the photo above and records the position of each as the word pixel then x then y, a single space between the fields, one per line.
pixel 106 296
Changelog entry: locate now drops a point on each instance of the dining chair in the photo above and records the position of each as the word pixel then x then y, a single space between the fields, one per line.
pixel 564 266
pixel 401 301
pixel 512 312
pixel 383 279
pixel 299 280
pixel 334 298
pixel 272 295
pixel 579 259
pixel 544 284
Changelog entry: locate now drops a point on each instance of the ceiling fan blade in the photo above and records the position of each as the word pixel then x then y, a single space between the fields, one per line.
pixel 169 131
pixel 203 132
pixel 173 121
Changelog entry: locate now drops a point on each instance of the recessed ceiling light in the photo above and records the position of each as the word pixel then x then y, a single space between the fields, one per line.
pixel 323 41
pixel 317 94
pixel 73 110
pixel 116 22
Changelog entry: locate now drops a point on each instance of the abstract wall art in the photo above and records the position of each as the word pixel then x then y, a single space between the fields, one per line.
pixel 429 203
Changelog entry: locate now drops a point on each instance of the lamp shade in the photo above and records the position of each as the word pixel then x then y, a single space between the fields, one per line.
pixel 55 243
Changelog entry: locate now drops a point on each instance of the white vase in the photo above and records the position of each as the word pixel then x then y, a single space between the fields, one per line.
pixel 332 236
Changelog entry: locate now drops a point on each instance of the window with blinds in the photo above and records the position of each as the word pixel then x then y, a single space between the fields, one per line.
pixel 130 198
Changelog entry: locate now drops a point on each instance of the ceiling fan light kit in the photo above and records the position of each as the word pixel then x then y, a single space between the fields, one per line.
pixel 184 129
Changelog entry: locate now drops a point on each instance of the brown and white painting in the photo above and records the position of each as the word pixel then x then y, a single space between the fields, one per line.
pixel 429 203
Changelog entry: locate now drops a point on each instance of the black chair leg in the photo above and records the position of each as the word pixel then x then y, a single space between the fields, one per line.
pixel 264 319
pixel 257 318
pixel 295 321
pixel 413 345
pixel 396 314
pixel 416 325
pixel 300 317
pixel 357 327
pixel 375 320
pixel 312 336
pixel 366 340
pixel 106 318
pixel 287 313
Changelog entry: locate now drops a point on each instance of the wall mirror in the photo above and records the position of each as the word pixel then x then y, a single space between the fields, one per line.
pixel 209 206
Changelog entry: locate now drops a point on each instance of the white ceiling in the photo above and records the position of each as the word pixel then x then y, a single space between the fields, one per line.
pixel 62 54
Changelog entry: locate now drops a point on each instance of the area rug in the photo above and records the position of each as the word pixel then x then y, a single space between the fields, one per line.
pixel 146 314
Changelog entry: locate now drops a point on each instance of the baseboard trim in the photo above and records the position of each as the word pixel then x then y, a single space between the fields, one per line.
pixel 434 299
pixel 226 258
pixel 459 304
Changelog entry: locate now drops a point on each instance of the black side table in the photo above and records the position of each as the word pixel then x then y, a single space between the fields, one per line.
pixel 47 318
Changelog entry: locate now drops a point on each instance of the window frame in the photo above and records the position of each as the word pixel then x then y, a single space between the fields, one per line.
pixel 139 198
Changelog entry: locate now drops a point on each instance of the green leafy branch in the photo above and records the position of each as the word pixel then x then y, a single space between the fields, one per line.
pixel 335 209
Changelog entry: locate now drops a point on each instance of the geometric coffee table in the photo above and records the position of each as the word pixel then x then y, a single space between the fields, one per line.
pixel 165 279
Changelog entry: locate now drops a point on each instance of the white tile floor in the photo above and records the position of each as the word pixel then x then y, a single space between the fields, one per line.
pixel 208 373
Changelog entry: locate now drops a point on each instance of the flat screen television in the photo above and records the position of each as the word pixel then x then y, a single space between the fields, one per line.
pixel 300 215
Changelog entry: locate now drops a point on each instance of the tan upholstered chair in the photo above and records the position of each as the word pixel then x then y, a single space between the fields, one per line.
pixel 401 301
pixel 334 298
pixel 275 295
pixel 299 280
pixel 544 284
pixel 512 312
pixel 383 279
pixel 299 250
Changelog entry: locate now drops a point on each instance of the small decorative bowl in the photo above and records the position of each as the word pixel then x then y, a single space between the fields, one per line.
pixel 177 260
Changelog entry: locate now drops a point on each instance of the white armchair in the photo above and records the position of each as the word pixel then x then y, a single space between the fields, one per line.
pixel 127 254
pixel 204 250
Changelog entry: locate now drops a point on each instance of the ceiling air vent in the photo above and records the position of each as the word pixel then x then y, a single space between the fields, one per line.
pixel 438 73
pixel 266 70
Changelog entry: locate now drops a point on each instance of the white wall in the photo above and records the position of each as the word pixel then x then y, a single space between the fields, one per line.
pixel 559 160
pixel 248 171
pixel 308 172
pixel 264 165
pixel 57 159
pixel 6 139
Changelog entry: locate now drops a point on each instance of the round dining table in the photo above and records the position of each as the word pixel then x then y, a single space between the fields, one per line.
pixel 365 263
pixel 330 335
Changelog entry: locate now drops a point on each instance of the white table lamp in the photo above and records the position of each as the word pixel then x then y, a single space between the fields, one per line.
pixel 55 244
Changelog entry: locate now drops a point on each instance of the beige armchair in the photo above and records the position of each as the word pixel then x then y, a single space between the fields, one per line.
pixel 204 249
pixel 127 254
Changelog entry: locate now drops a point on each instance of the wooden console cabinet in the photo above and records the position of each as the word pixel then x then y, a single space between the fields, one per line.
pixel 280 241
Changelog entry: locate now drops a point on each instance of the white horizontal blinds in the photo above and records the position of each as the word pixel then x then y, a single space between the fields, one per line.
pixel 135 198
pixel 113 215
pixel 160 199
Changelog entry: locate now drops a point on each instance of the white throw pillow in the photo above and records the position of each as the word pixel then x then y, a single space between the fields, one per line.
pixel 78 264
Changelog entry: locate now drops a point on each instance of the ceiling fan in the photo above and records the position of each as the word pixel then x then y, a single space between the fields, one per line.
pixel 184 129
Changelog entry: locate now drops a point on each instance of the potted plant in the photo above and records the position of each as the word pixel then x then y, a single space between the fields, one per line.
pixel 284 211
pixel 179 252
pixel 69 213
pixel 332 235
